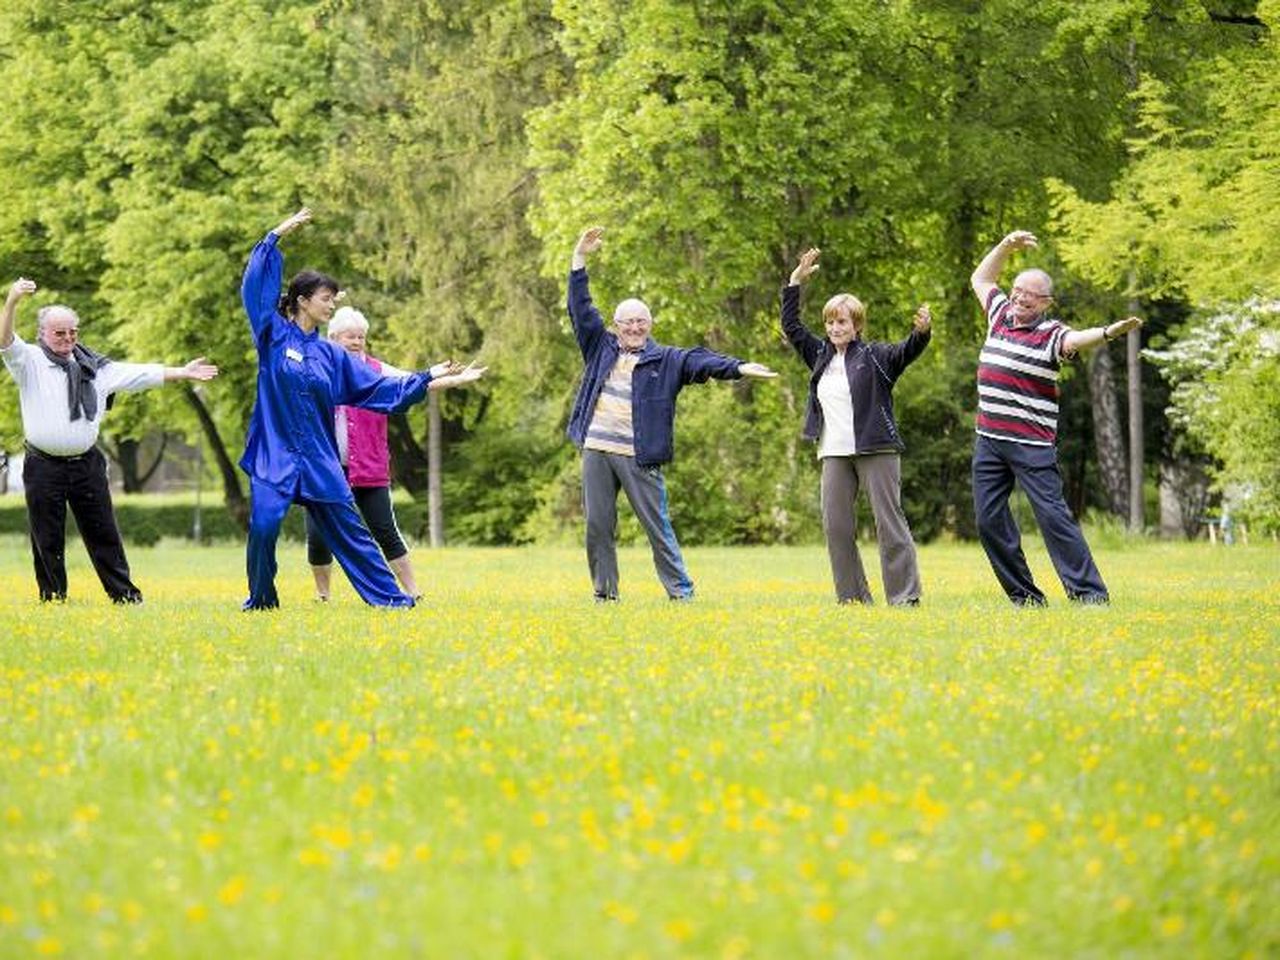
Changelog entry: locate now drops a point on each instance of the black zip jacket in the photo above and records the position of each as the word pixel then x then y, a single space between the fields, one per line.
pixel 872 368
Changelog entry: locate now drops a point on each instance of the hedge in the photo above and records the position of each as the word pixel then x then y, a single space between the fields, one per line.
pixel 146 519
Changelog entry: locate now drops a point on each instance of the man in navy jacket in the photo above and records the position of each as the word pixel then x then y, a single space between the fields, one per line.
pixel 623 421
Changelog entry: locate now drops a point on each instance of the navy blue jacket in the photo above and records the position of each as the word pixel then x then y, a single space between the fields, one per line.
pixel 660 375
pixel 872 368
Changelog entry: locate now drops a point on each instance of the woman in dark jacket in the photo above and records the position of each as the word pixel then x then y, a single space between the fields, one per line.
pixel 850 415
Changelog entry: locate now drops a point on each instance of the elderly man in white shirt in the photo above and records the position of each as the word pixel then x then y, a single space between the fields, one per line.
pixel 64 389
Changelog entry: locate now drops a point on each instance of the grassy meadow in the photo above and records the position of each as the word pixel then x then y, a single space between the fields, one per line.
pixel 513 771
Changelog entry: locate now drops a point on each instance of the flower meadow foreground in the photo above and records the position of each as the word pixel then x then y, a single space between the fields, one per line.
pixel 509 771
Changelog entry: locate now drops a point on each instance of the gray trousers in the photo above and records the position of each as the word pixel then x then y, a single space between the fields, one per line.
pixel 603 474
pixel 881 475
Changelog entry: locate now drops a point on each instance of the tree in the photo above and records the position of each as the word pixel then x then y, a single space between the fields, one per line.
pixel 145 160
pixel 430 167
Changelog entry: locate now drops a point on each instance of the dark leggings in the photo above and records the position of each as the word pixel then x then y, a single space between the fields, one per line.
pixel 374 504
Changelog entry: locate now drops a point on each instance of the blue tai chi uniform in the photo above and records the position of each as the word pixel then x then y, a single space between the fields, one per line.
pixel 291 454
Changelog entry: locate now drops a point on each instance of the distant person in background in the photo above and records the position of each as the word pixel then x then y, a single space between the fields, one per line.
pixel 850 416
pixel 291 453
pixel 623 420
pixel 64 389
pixel 1018 427
pixel 366 459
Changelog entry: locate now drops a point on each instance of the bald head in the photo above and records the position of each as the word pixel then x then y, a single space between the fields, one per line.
pixel 632 322
pixel 58 328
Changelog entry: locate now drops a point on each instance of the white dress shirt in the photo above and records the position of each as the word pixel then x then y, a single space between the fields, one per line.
pixel 42 394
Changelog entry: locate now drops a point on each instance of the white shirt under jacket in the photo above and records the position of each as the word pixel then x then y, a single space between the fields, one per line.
pixel 837 438
pixel 42 393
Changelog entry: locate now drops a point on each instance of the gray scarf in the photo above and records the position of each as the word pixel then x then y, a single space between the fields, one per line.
pixel 81 366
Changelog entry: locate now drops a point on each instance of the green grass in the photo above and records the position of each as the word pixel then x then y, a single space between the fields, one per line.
pixel 512 771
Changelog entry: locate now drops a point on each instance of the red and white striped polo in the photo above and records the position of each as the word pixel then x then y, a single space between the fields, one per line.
pixel 1018 376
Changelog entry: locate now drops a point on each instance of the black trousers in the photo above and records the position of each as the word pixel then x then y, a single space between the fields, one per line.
pixel 374 504
pixel 53 483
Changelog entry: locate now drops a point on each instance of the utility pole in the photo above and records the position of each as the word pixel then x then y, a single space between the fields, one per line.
pixel 1137 447
pixel 435 503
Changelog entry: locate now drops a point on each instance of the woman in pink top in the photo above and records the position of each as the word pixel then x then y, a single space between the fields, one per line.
pixel 362 448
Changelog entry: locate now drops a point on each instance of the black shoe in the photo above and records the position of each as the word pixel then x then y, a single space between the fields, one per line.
pixel 1029 601
pixel 126 599
pixel 606 598
pixel 1091 599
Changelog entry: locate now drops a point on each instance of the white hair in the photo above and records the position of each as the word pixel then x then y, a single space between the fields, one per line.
pixel 45 314
pixel 632 308
pixel 347 318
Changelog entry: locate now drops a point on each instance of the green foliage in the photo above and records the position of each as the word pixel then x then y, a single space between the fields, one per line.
pixel 453 152
pixel 1224 367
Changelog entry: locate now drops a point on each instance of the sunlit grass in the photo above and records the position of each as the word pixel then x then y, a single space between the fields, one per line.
pixel 511 770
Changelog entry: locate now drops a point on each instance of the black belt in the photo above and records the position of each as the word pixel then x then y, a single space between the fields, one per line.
pixel 41 455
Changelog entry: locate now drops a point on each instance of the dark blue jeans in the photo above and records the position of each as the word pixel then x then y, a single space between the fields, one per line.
pixel 996 465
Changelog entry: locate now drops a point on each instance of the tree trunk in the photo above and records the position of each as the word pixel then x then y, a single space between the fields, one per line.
pixel 408 459
pixel 1184 496
pixel 1108 436
pixel 125 454
pixel 233 495
pixel 435 502
pixel 1137 450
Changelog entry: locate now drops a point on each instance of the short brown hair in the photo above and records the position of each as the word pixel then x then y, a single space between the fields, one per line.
pixel 857 312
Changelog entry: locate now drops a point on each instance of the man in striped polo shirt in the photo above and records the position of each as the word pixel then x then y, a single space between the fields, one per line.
pixel 1018 427
pixel 623 420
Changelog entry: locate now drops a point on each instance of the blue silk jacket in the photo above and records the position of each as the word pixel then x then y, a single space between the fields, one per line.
pixel 302 377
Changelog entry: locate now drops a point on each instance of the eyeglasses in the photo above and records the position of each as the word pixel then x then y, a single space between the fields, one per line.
pixel 1033 294
pixel 63 334
pixel 632 322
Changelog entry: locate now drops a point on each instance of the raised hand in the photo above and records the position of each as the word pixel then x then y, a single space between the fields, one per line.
pixel 1020 240
pixel 923 319
pixel 22 287
pixel 807 267
pixel 293 222
pixel 592 239
pixel 756 371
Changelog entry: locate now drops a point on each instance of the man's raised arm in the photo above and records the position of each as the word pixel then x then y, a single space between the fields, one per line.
pixel 986 277
pixel 588 325
pixel 22 287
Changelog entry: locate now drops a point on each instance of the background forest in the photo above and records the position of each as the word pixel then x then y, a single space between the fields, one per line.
pixel 453 151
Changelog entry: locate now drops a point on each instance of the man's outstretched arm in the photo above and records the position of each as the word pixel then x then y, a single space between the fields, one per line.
pixel 1077 340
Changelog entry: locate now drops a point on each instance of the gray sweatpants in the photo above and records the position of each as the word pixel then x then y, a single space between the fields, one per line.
pixel 603 474
pixel 881 475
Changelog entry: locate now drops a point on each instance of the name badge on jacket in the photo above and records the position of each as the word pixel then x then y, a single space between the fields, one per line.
pixel 293 354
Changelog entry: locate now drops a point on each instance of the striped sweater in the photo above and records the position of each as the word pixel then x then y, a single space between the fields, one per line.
pixel 1018 376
